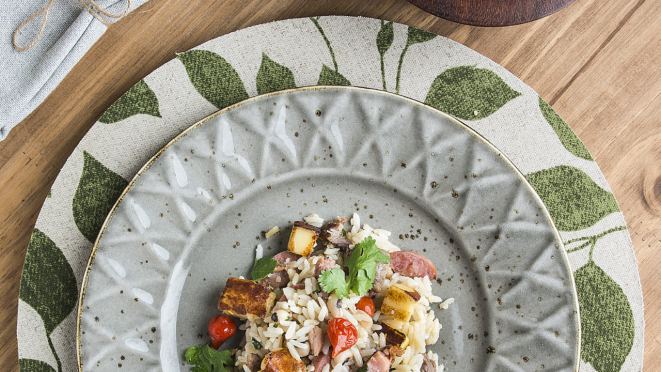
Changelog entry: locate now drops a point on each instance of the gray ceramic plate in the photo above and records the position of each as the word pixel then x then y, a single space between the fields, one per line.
pixel 193 216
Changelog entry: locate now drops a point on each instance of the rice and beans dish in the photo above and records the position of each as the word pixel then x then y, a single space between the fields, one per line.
pixel 335 301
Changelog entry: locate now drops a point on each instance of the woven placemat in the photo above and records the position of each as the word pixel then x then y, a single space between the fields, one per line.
pixel 334 51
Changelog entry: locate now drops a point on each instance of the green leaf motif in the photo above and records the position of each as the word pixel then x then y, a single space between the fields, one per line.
pixel 213 77
pixel 328 76
pixel 574 200
pixel 98 190
pixel 607 324
pixel 48 284
pixel 273 77
pixel 416 35
pixel 567 136
pixel 385 38
pixel 140 99
pixel 469 93
pixel 413 36
pixel 32 365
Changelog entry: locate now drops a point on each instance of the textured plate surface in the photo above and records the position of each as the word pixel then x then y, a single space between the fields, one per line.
pixel 194 214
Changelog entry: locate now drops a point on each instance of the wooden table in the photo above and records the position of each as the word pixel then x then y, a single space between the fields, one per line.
pixel 598 63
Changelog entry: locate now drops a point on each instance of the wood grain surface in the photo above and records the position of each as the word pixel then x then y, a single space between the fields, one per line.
pixel 598 63
pixel 491 12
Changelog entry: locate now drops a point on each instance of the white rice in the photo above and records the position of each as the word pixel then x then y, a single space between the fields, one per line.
pixel 445 304
pixel 274 230
pixel 314 220
pixel 259 252
pixel 303 309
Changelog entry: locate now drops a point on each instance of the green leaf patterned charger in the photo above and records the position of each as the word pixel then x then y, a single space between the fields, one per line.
pixel 338 51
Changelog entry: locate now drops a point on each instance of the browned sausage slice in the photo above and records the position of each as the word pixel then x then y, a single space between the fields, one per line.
pixel 284 256
pixel 411 264
pixel 320 361
pixel 324 263
pixel 379 362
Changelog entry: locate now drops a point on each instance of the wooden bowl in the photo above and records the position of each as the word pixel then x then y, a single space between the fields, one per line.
pixel 491 12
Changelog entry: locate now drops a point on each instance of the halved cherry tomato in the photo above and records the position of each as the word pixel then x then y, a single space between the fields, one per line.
pixel 342 334
pixel 221 328
pixel 367 305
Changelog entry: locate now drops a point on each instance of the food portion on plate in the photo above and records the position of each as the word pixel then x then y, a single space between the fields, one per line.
pixel 335 300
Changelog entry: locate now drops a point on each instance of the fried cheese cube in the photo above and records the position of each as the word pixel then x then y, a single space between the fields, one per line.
pixel 303 237
pixel 399 302
pixel 280 360
pixel 245 299
pixel 393 336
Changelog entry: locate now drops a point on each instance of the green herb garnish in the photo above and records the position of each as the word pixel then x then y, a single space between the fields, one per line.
pixel 263 268
pixel 344 232
pixel 362 270
pixel 333 280
pixel 256 344
pixel 204 358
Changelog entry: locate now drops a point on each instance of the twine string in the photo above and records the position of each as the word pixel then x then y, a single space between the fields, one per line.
pixel 94 10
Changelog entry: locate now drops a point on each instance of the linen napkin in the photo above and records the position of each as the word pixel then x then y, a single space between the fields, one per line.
pixel 29 76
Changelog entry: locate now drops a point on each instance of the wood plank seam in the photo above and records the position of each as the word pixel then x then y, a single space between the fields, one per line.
pixel 587 64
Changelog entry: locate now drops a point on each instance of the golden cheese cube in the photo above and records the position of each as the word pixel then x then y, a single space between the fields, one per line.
pixel 280 360
pixel 399 302
pixel 302 238
pixel 244 298
pixel 393 336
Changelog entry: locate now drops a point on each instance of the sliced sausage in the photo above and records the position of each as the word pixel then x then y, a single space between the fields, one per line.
pixel 379 362
pixel 411 264
pixel 320 361
pixel 283 256
pixel 323 263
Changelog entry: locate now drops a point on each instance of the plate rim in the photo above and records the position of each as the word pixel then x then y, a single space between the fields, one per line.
pixel 456 121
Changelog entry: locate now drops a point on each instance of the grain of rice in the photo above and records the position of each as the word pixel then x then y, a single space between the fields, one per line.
pixel 338 368
pixel 292 351
pixel 445 304
pixel 314 220
pixel 259 252
pixel 299 345
pixel 342 357
pixel 274 230
pixel 355 223
pixel 356 356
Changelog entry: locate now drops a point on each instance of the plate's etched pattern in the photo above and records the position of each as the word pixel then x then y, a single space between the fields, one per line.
pixel 167 248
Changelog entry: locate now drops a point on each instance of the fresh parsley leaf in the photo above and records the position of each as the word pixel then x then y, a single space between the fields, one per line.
pixel 256 344
pixel 361 284
pixel 344 233
pixel 192 354
pixel 362 265
pixel 364 368
pixel 204 358
pixel 263 268
pixel 362 270
pixel 333 280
